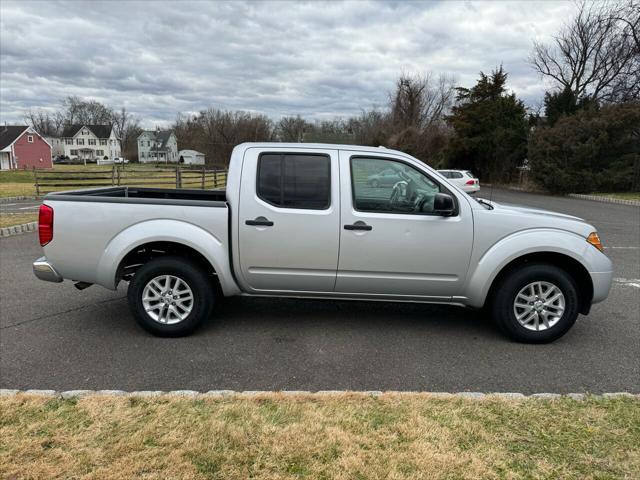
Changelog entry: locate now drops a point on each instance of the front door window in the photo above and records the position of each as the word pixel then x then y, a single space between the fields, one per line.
pixel 388 186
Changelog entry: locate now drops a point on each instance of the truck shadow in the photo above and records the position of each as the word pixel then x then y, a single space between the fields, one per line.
pixel 242 312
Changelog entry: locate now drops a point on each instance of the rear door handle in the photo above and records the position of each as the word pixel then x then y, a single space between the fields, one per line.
pixel 359 225
pixel 259 222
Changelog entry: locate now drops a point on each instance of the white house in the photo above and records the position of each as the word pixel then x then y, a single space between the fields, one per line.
pixel 191 157
pixel 90 142
pixel 157 146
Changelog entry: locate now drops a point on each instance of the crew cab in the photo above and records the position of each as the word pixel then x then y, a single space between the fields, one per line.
pixel 304 220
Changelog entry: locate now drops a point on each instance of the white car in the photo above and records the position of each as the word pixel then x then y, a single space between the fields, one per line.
pixel 120 160
pixel 463 179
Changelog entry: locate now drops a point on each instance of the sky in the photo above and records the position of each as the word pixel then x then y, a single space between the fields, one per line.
pixel 318 60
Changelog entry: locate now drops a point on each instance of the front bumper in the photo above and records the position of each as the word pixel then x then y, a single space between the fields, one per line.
pixel 45 271
pixel 601 285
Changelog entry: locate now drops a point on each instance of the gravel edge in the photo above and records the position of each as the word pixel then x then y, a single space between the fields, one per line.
pixel 19 229
pixel 68 394
pixel 602 199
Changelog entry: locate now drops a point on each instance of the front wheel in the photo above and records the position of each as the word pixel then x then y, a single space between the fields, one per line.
pixel 535 303
pixel 170 296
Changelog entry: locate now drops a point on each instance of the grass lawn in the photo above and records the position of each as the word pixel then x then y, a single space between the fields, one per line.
pixel 621 195
pixel 10 219
pixel 349 436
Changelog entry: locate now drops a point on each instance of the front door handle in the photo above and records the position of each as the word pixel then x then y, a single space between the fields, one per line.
pixel 259 222
pixel 359 225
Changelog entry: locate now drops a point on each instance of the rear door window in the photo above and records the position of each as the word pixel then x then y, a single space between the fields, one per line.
pixel 291 180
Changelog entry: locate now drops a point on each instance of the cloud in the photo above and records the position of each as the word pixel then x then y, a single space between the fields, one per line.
pixel 279 58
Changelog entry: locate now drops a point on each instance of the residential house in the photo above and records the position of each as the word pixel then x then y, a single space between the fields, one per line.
pixel 21 147
pixel 90 142
pixel 157 146
pixel 191 157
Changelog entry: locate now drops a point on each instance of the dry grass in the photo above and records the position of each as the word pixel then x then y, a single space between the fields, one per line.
pixel 621 195
pixel 10 219
pixel 338 437
pixel 12 189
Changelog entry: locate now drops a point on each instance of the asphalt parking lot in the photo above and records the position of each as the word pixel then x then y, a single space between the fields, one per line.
pixel 20 206
pixel 55 337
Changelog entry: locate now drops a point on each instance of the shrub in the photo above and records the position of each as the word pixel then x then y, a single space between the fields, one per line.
pixel 592 150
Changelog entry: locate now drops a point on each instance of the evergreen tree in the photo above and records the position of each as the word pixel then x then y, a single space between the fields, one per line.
pixel 563 103
pixel 490 128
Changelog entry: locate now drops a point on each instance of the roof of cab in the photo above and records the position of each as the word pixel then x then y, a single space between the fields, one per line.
pixel 323 146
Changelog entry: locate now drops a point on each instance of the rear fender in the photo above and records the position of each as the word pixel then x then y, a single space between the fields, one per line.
pixel 208 245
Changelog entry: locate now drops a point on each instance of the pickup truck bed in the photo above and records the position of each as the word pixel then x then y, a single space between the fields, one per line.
pixel 212 198
pixel 96 228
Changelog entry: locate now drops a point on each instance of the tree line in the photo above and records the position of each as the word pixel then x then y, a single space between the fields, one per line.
pixel 585 137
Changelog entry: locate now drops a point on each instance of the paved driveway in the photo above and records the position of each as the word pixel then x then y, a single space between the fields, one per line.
pixel 19 206
pixel 53 336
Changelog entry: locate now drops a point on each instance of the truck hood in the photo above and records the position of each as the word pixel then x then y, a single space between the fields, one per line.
pixel 536 211
pixel 525 217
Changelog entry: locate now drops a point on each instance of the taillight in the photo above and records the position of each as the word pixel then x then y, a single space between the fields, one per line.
pixel 45 224
pixel 471 182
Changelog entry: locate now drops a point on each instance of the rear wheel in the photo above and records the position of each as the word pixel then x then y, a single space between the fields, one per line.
pixel 535 303
pixel 170 296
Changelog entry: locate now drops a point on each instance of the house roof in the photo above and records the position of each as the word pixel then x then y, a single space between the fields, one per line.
pixel 100 131
pixel 10 133
pixel 161 136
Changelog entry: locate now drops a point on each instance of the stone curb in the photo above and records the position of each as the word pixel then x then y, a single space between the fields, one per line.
pixel 322 393
pixel 19 229
pixel 15 199
pixel 598 198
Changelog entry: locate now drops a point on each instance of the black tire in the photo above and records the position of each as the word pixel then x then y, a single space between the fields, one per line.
pixel 189 272
pixel 505 292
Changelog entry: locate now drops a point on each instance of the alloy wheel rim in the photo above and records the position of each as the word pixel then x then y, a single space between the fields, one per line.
pixel 539 306
pixel 167 299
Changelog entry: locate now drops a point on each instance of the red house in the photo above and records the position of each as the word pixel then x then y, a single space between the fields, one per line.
pixel 21 147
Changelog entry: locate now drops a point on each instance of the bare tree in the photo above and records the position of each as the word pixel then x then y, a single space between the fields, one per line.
pixel 76 110
pixel 127 129
pixel 45 123
pixel 595 55
pixel 291 129
pixel 371 127
pixel 421 101
pixel 215 132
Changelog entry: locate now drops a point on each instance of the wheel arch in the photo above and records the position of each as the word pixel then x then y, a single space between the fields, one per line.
pixel 558 247
pixel 570 265
pixel 143 241
pixel 146 252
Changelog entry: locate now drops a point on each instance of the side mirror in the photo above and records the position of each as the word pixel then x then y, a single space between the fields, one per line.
pixel 443 204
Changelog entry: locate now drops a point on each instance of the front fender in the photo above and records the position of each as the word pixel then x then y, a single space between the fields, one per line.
pixel 209 246
pixel 527 242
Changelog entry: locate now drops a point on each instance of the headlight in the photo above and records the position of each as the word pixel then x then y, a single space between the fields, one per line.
pixel 594 240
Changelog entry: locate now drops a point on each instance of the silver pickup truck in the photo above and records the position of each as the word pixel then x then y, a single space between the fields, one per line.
pixel 308 221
